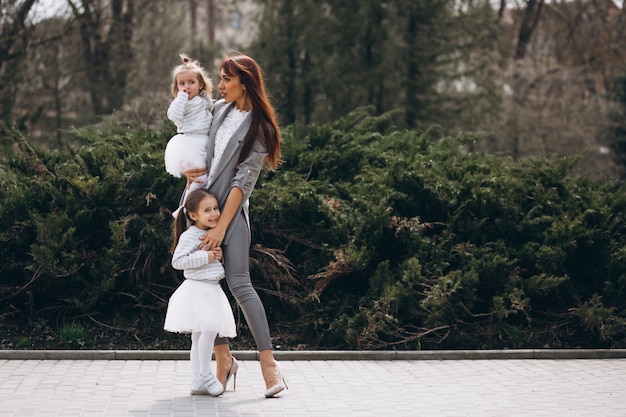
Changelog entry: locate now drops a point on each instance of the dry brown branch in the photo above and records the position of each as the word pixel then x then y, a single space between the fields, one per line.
pixel 279 260
pixel 290 298
pixel 90 317
pixel 26 149
pixel 336 268
pixel 402 336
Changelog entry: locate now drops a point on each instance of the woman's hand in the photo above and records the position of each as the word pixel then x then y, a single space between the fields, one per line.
pixel 192 174
pixel 212 240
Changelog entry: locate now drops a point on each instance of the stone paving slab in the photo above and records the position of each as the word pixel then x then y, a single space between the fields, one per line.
pixel 346 388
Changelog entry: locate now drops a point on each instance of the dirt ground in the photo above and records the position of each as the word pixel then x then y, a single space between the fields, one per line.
pixel 142 333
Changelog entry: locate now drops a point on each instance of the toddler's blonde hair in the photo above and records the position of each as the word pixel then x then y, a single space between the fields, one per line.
pixel 194 66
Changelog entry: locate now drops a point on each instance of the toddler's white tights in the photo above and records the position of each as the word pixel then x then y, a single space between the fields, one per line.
pixel 201 352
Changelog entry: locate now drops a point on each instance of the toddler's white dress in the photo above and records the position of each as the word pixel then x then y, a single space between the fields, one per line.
pixel 188 149
pixel 199 303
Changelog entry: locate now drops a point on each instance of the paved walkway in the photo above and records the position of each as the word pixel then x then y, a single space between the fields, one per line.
pixel 428 387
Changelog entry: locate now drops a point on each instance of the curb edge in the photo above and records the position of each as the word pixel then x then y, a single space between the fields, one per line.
pixel 324 355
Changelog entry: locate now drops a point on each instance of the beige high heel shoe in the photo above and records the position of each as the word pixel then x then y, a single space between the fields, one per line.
pixel 232 372
pixel 275 389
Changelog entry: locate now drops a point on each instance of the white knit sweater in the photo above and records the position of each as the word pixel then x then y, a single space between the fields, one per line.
pixel 191 116
pixel 194 262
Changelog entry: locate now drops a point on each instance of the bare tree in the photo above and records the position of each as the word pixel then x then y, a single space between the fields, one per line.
pixel 211 20
pixel 557 94
pixel 106 31
pixel 14 40
pixel 528 25
pixel 48 76
pixel 193 15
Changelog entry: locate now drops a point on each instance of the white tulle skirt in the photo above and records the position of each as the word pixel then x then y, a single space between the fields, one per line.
pixel 185 152
pixel 200 305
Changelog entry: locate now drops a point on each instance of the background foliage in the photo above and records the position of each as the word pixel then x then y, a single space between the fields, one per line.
pixel 513 69
pixel 390 226
pixel 367 237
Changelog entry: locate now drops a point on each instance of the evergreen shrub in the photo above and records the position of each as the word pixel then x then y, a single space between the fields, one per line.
pixel 449 248
pixel 366 237
pixel 87 229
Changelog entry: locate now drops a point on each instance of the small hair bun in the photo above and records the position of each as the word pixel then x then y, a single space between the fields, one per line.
pixel 185 58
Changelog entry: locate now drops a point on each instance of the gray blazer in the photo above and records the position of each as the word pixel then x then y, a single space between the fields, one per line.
pixel 229 173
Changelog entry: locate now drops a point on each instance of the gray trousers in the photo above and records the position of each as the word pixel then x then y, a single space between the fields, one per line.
pixel 237 265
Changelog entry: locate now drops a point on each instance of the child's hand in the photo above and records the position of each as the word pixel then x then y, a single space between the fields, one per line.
pixel 217 253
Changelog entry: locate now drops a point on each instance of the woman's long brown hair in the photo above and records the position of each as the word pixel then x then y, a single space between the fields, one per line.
pixel 264 124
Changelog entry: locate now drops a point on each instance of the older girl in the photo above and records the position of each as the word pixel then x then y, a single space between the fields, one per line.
pixel 199 305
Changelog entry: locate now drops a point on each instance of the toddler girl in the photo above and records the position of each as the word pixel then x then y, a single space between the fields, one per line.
pixel 190 111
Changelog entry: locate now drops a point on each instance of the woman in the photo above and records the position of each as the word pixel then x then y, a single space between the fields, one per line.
pixel 244 134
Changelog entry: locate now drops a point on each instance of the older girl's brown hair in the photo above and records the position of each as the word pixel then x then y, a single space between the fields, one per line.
pixel 191 206
pixel 264 124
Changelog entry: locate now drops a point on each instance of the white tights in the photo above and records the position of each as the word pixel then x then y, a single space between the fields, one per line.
pixel 201 351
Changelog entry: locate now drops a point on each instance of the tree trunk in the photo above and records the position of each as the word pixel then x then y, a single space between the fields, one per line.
pixel 14 39
pixel 119 50
pixel 528 25
pixel 108 54
pixel 193 17
pixel 211 21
